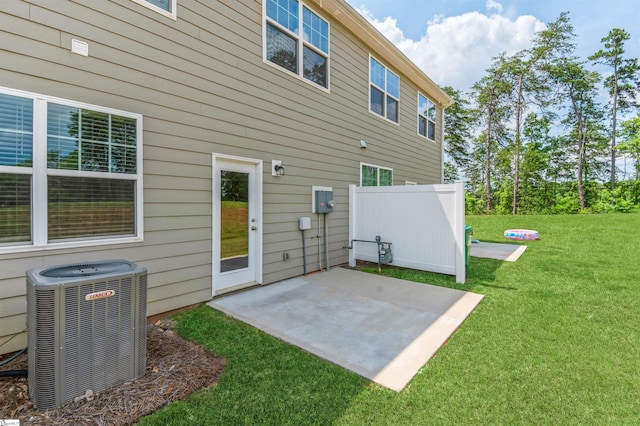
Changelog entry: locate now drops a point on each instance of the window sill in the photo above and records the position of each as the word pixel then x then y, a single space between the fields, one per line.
pixel 69 245
pixel 169 14
pixel 426 138
pixel 384 118
pixel 296 76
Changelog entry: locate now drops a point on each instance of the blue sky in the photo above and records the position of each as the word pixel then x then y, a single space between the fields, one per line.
pixel 453 41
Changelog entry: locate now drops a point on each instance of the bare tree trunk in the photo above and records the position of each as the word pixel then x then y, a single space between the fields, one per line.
pixel 581 169
pixel 487 168
pixel 613 139
pixel 516 166
pixel 581 153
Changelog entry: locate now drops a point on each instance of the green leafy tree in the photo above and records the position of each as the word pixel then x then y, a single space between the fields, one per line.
pixel 458 124
pixel 493 108
pixel 534 191
pixel 579 86
pixel 474 173
pixel 531 82
pixel 631 141
pixel 450 173
pixel 630 133
pixel 623 85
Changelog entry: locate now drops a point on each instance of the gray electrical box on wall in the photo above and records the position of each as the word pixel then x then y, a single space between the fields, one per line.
pixel 324 201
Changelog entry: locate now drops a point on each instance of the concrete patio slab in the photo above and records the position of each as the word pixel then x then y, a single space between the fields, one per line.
pixel 500 251
pixel 382 328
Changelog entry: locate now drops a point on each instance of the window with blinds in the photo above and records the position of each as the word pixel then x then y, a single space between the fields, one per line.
pixel 16 160
pixel 68 171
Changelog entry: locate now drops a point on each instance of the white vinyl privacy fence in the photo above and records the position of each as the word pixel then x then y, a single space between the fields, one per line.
pixel 424 223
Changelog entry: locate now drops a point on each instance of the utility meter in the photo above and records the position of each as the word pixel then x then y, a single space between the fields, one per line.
pixel 324 201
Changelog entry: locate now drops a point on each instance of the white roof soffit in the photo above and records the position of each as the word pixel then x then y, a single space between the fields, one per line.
pixel 381 46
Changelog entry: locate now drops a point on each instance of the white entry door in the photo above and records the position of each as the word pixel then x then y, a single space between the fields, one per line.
pixel 237 223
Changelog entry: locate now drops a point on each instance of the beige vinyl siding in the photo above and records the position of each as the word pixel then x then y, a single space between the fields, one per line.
pixel 202 86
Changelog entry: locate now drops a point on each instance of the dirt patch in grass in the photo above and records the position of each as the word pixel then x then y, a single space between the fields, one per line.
pixel 175 369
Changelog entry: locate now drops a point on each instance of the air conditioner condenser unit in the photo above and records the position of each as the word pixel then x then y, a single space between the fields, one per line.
pixel 86 329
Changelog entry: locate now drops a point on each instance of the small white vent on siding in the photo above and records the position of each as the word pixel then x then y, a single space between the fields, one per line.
pixel 80 47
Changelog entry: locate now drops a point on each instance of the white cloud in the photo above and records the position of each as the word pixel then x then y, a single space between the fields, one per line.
pixel 494 5
pixel 455 51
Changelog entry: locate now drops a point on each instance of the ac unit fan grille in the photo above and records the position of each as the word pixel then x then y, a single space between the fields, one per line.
pixel 45 349
pixel 98 343
pixel 142 325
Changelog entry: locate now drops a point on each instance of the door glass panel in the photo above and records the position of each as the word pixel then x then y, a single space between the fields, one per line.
pixel 234 220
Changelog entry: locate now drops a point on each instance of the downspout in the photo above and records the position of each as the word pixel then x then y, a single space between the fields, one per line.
pixel 319 246
pixel 326 241
pixel 304 254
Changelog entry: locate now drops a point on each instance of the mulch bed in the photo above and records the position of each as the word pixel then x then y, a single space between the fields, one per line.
pixel 175 369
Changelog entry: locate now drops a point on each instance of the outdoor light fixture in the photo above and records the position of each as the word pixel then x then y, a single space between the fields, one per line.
pixel 277 169
pixel 363 144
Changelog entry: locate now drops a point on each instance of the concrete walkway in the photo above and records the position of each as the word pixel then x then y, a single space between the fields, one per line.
pixel 382 328
pixel 500 251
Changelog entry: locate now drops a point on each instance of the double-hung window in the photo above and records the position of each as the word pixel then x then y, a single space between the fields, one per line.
pixel 372 175
pixel 70 173
pixel 297 39
pixel 426 117
pixel 384 91
pixel 164 7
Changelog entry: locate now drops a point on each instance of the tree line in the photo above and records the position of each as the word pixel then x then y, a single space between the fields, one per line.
pixel 532 136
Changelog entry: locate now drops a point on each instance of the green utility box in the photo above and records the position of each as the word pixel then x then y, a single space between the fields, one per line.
pixel 468 234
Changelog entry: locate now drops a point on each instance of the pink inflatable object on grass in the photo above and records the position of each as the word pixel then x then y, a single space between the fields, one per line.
pixel 521 234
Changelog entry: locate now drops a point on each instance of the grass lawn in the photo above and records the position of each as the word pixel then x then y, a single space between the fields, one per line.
pixel 555 341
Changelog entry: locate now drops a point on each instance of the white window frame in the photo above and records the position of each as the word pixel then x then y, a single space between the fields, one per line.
pixel 299 36
pixel 168 13
pixel 426 117
pixel 384 91
pixel 378 174
pixel 39 172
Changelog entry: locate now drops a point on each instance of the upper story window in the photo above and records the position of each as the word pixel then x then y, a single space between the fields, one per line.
pixel 165 7
pixel 297 40
pixel 372 175
pixel 426 117
pixel 70 173
pixel 384 94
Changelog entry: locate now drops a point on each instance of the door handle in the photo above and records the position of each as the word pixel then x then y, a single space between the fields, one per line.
pixel 253 228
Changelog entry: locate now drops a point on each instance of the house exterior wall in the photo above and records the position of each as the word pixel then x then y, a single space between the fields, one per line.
pixel 202 86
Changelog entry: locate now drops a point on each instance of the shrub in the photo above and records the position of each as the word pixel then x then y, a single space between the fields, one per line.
pixel 566 205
